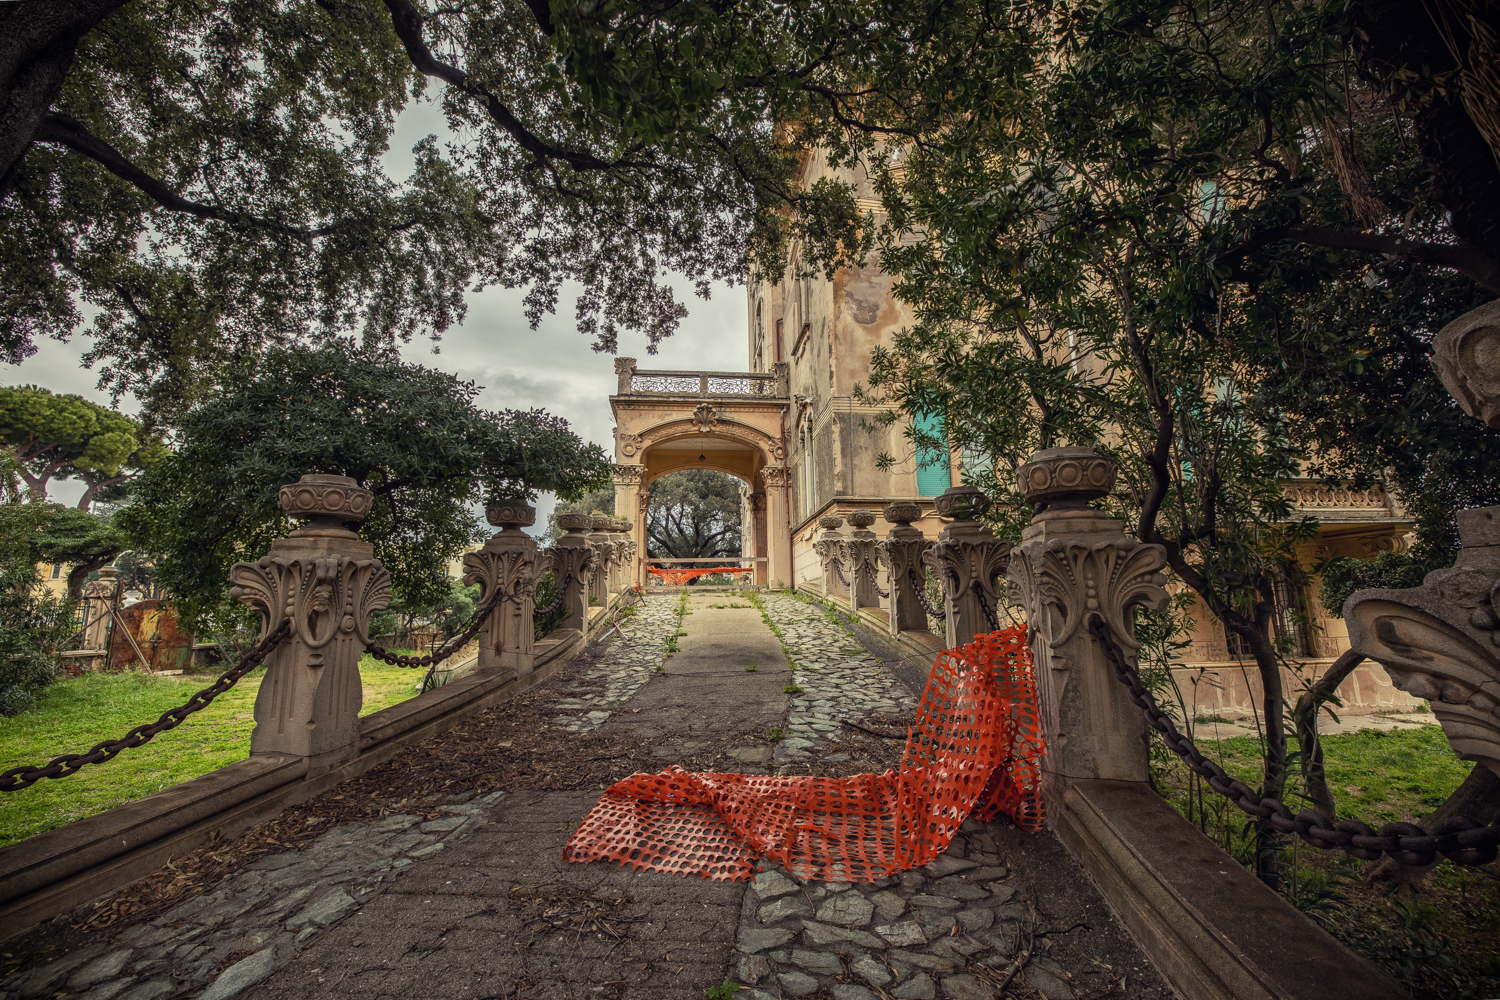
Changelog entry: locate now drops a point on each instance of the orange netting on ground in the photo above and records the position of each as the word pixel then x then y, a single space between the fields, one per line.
pixel 679 576
pixel 974 748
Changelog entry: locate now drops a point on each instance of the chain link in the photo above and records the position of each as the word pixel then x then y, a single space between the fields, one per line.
pixel 556 601
pixel 990 618
pixel 60 767
pixel 874 579
pixel 1460 839
pixel 838 568
pixel 916 586
pixel 461 640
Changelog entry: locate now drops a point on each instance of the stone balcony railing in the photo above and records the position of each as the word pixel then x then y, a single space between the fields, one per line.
pixel 761 385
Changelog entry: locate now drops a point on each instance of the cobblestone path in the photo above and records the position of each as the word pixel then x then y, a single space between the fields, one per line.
pixel 466 896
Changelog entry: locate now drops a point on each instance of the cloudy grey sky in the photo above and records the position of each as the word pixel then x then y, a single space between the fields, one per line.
pixel 551 367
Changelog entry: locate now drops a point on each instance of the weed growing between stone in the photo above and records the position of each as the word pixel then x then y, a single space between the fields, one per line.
pixel 671 644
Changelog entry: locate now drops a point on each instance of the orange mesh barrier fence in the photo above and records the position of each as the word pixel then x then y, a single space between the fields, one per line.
pixel 974 748
pixel 676 576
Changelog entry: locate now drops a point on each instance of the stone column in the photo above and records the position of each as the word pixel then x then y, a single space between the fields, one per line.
pixel 628 480
pixel 967 560
pixel 327 581
pixel 573 562
pixel 776 480
pixel 900 552
pixel 758 547
pixel 603 557
pixel 1073 563
pixel 859 549
pixel 507 564
pixel 829 546
pixel 642 519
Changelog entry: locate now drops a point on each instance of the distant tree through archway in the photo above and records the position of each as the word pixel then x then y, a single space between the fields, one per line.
pixel 694 514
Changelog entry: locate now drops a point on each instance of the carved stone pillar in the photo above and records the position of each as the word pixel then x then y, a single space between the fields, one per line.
pixel 604 554
pixel 507 564
pixel 783 372
pixel 573 561
pixel 776 480
pixel 1074 562
pixel 1441 641
pixel 624 372
pixel 758 547
pixel 858 550
pixel 900 552
pixel 327 581
pixel 967 559
pixel 629 481
pixel 829 546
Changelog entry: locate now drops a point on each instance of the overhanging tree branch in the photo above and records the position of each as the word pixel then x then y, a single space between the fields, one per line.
pixel 1466 260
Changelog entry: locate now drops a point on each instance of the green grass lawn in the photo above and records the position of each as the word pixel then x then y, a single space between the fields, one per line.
pixel 1376 776
pixel 78 712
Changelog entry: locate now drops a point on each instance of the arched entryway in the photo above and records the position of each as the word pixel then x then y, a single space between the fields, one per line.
pixel 734 423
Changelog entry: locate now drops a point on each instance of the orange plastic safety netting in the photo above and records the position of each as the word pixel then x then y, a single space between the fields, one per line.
pixel 679 576
pixel 974 748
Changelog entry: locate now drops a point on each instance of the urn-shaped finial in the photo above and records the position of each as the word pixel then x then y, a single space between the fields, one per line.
pixel 510 515
pixel 963 503
pixel 861 518
pixel 831 522
pixel 1065 477
pixel 327 501
pixel 902 512
pixel 574 522
pixel 600 522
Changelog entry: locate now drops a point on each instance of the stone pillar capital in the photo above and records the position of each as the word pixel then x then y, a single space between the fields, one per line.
pixel 624 371
pixel 628 475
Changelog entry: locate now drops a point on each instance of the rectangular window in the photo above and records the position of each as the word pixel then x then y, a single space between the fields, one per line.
pixel 933 472
pixel 57 571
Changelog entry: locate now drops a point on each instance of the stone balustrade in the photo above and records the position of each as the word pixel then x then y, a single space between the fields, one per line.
pixel 328 582
pixel 829 546
pixel 766 385
pixel 857 551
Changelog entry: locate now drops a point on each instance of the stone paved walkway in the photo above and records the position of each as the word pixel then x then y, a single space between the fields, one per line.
pixel 477 902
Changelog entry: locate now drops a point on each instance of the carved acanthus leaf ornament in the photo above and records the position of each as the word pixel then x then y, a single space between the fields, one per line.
pixel 1074 580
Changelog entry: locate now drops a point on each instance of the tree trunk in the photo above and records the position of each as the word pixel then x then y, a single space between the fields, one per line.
pixel 1477 799
pixel 1273 707
pixel 1305 719
pixel 37 41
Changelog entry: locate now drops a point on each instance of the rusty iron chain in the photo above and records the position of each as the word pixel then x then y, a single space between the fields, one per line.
pixel 461 640
pixel 557 601
pixel 990 617
pixel 916 586
pixel 1460 840
pixel 838 568
pixel 60 767
pixel 874 579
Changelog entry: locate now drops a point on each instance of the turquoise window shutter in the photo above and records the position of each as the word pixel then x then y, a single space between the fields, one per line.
pixel 932 463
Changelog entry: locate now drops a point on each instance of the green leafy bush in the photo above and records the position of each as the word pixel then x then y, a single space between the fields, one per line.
pixel 1344 575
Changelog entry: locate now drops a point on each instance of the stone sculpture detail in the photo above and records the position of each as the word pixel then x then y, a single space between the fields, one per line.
pixel 327 582
pixel 967 560
pixel 1466 354
pixel 828 545
pixel 1074 562
pixel 1441 641
pixel 572 561
pixel 507 564
pixel 900 552
pixel 857 550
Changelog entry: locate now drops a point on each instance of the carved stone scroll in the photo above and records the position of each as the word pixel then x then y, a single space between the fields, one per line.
pixel 1074 562
pixel 327 581
pixel 829 547
pixel 1441 641
pixel 858 550
pixel 899 553
pixel 507 564
pixel 573 561
pixel 967 560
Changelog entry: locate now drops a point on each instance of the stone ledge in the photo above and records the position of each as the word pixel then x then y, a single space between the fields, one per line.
pixel 1214 930
pixel 53 872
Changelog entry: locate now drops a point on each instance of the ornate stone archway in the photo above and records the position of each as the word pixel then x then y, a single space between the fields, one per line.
pixel 730 422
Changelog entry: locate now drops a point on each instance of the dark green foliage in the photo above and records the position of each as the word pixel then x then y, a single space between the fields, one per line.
pixel 694 514
pixel 33 622
pixel 83 540
pixel 546 593
pixel 410 434
pixel 1343 576
pixel 56 436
